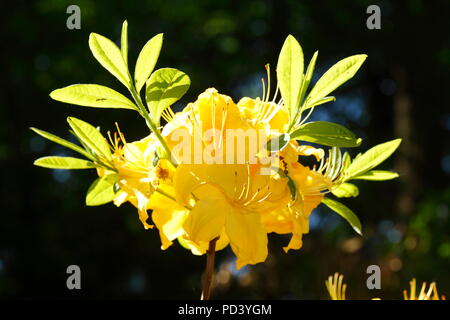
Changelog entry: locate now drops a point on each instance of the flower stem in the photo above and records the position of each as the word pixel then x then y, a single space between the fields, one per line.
pixel 143 112
pixel 209 270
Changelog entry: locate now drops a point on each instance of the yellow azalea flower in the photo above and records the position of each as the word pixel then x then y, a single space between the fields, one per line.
pixel 264 114
pixel 311 186
pixel 140 177
pixel 132 161
pixel 230 200
pixel 424 294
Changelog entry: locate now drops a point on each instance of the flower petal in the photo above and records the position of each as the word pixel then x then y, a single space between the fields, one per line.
pixel 206 220
pixel 247 237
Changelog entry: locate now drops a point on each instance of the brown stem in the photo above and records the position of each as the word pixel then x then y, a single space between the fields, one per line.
pixel 209 270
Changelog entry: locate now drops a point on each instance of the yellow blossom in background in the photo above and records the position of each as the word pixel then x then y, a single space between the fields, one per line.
pixel 424 294
pixel 337 288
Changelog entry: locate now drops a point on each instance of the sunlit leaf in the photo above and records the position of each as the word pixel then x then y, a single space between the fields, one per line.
pixel 101 190
pixel 346 161
pixel 63 163
pixel 345 190
pixel 110 57
pixel 371 158
pixel 92 95
pixel 124 42
pixel 319 102
pixel 335 76
pixel 345 213
pixel 377 175
pixel 63 142
pixel 91 137
pixel 290 74
pixel 165 87
pixel 147 60
pixel 326 133
pixel 308 77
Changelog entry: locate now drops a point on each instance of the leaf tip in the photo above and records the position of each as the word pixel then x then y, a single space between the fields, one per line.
pixel 396 143
pixel 53 94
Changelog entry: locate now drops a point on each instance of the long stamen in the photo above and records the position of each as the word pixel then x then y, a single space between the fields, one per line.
pixel 276 94
pixel 122 137
pixel 305 118
pixel 266 99
pixel 222 128
pixel 264 88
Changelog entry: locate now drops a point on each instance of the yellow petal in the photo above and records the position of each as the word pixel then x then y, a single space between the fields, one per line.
pixel 203 247
pixel 247 237
pixel 278 221
pixel 167 215
pixel 169 224
pixel 206 220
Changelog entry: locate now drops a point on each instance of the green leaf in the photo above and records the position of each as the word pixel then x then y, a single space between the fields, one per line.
pixel 63 142
pixel 345 190
pixel 278 143
pixel 338 74
pixel 290 74
pixel 371 158
pixel 147 60
pixel 101 190
pixel 63 163
pixel 326 133
pixel 305 84
pixel 110 57
pixel 91 137
pixel 165 87
pixel 308 77
pixel 346 161
pixel 92 95
pixel 124 42
pixel 345 213
pixel 319 102
pixel 377 175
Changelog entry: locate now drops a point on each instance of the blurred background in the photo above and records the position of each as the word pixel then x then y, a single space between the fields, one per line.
pixel 401 91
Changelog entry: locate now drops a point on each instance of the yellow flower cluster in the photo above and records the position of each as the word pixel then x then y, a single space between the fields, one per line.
pixel 219 173
pixel 237 203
